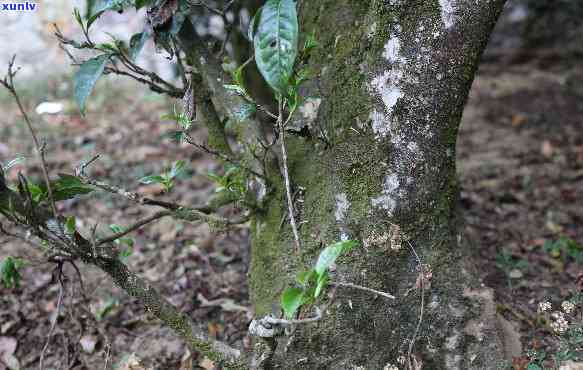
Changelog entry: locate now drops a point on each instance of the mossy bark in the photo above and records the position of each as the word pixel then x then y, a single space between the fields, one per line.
pixel 392 80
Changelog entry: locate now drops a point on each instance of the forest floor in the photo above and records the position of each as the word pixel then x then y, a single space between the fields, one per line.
pixel 520 161
pixel 521 174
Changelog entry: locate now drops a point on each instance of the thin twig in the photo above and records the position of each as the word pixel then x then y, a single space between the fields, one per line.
pixel 283 322
pixel 8 83
pixel 133 227
pixel 107 356
pixel 287 181
pixel 363 288
pixel 173 92
pixel 53 325
pixel 220 155
pixel 422 283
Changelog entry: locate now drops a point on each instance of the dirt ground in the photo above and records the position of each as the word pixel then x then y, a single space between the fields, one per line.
pixel 521 175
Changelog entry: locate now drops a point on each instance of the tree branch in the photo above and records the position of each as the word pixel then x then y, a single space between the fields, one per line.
pixel 40 220
pixel 134 227
pixel 290 204
pixel 8 83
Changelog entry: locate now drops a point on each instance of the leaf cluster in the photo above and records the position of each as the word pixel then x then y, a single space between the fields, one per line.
pixel 311 283
pixel 166 178
pixel 9 272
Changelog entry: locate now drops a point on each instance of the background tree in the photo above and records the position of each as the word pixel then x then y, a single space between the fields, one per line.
pixel 370 156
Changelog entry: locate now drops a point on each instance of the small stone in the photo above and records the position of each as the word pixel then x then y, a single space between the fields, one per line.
pixel 88 343
pixel 515 274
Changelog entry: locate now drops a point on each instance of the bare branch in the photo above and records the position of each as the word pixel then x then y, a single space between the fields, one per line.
pixel 134 227
pixel 286 179
pixel 220 155
pixel 363 288
pixel 177 211
pixel 106 259
pixel 8 83
pixel 173 92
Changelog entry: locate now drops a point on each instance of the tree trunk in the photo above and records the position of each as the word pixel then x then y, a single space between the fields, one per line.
pixel 392 78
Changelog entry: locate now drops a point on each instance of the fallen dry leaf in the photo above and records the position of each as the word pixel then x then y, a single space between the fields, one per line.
pixel 7 349
pixel 207 364
pixel 571 365
pixel 547 149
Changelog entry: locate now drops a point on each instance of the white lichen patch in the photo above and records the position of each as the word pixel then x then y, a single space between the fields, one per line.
pixel 447 13
pixel 392 49
pixel 342 206
pixel 389 197
pixel 341 212
pixel 309 110
pixel 388 86
pixel 379 125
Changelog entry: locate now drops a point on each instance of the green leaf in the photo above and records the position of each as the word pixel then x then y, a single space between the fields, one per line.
pixel 37 193
pixel 177 168
pixel 310 42
pixel 253 25
pixel 137 43
pixel 276 43
pixel 9 272
pixel 291 300
pixel 104 308
pixel 306 277
pixel 153 179
pixel 70 225
pixel 18 160
pixel 69 186
pixel 141 3
pixel 125 254
pixel 101 6
pixel 246 110
pixel 236 88
pixel 329 255
pixel 86 77
pixel 321 284
pixel 77 16
pixel 176 136
pixel 115 228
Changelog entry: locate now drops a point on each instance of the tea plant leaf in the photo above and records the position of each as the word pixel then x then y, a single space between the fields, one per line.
pixel 291 300
pixel 276 43
pixel 86 77
pixel 153 179
pixel 253 25
pixel 322 283
pixel 329 255
pixel 68 186
pixel 137 43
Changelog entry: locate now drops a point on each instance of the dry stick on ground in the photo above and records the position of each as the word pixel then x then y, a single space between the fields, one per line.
pixel 290 205
pixel 53 323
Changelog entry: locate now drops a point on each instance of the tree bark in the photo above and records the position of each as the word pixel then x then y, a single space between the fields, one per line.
pixel 392 78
